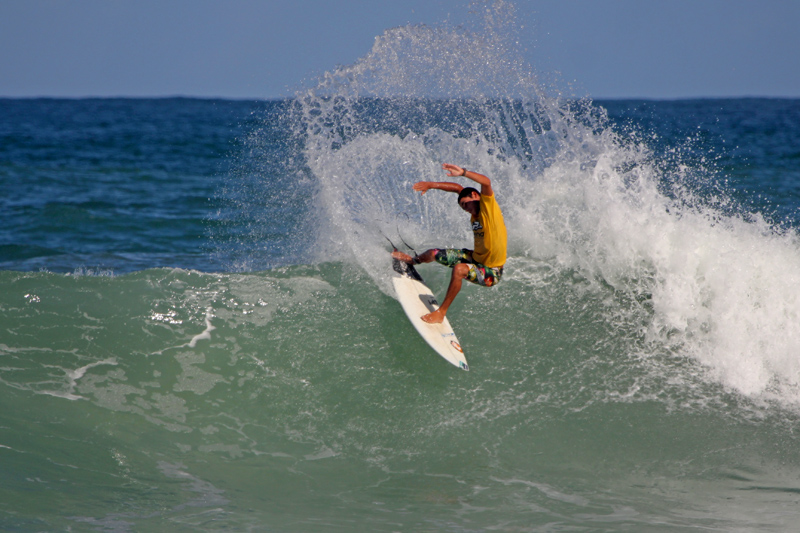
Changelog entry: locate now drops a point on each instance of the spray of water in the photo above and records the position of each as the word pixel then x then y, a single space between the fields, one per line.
pixel 699 280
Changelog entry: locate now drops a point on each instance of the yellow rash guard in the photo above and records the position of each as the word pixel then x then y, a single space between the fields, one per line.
pixel 489 230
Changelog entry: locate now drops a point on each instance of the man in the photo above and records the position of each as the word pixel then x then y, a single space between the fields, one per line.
pixel 484 264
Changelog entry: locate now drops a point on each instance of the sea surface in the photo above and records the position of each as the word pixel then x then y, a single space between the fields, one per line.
pixel 198 330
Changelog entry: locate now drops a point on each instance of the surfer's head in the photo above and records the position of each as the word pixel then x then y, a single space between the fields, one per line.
pixel 469 200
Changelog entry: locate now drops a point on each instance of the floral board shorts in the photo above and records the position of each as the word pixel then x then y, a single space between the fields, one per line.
pixel 478 273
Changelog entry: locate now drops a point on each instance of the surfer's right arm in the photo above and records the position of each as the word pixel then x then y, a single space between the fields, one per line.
pixel 425 186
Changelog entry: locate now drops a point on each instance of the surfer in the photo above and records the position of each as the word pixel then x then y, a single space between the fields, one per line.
pixel 484 264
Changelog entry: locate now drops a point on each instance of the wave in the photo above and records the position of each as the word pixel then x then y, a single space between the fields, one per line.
pixel 137 343
pixel 685 271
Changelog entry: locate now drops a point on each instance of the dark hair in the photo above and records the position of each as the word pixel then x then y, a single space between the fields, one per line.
pixel 467 191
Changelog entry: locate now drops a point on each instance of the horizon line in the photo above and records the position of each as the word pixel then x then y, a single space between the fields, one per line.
pixel 283 98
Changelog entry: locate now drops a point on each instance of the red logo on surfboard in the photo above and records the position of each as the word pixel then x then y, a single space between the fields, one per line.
pixel 457 346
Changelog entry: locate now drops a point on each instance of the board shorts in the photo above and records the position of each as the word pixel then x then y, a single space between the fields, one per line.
pixel 478 274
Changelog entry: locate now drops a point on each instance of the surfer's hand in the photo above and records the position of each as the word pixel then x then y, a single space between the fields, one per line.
pixel 454 171
pixel 400 256
pixel 422 186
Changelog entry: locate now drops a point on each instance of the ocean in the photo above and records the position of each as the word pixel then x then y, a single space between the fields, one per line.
pixel 198 330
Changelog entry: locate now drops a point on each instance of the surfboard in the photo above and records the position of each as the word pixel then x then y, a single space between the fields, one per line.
pixel 417 300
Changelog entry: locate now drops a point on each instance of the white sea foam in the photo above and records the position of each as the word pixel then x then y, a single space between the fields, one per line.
pixel 206 333
pixel 73 376
pixel 721 289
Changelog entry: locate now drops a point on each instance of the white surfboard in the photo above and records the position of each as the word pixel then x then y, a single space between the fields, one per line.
pixel 418 300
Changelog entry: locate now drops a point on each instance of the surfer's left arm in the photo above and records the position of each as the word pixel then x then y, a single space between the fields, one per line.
pixel 456 171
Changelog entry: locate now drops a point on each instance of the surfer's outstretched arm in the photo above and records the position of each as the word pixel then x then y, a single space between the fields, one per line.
pixel 425 186
pixel 456 171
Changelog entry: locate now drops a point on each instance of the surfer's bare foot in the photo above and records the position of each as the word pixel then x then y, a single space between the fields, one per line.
pixel 405 258
pixel 437 317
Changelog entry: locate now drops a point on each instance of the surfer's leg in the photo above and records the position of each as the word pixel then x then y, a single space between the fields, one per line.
pixel 460 272
pixel 450 257
pixel 485 276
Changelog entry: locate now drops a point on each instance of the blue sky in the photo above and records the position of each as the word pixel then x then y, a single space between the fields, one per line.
pixel 269 49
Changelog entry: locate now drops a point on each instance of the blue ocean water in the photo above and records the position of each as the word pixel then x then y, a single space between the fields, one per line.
pixel 197 329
